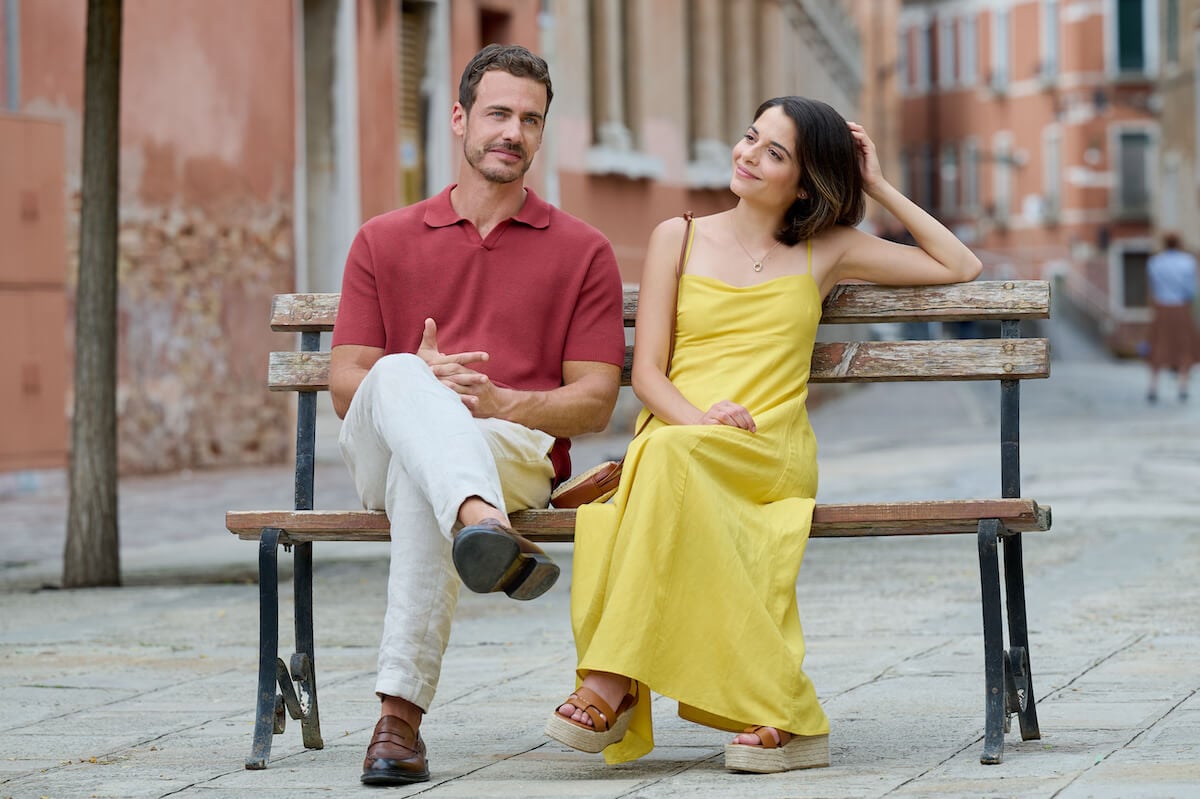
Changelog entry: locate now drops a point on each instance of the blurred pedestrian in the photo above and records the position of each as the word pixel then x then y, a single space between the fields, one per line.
pixel 1174 343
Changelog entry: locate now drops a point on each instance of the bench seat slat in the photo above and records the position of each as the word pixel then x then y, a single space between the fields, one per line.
pixel 846 304
pixel 833 362
pixel 829 521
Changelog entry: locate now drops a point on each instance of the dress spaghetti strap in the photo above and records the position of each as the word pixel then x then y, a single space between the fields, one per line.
pixel 687 250
pixel 810 256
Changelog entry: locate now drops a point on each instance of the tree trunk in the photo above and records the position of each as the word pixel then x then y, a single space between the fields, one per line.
pixel 91 557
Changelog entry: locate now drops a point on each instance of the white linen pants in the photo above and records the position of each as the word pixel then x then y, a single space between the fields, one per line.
pixel 415 451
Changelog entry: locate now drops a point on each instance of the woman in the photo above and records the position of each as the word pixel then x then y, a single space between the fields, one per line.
pixel 685 583
pixel 1173 340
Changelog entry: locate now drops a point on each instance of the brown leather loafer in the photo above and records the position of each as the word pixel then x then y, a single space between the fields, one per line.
pixel 396 755
pixel 489 556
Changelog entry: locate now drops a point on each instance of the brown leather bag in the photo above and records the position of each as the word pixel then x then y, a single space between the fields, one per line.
pixel 599 483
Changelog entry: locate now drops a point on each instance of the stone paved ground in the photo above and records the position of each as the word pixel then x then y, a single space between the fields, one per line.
pixel 147 690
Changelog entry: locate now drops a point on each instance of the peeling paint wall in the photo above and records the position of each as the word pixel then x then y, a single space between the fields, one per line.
pixel 194 296
pixel 206 232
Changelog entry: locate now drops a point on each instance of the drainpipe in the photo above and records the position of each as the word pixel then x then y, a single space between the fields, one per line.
pixel 441 94
pixel 12 49
pixel 346 164
pixel 300 143
pixel 547 34
pixel 934 119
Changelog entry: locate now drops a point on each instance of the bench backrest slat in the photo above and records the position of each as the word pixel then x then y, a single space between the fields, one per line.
pixel 846 304
pixel 833 362
pixel 981 300
pixel 969 359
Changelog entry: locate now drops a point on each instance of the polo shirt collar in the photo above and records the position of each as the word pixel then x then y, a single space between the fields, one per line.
pixel 535 212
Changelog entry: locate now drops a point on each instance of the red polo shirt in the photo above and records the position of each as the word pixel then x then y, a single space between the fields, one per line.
pixel 541 289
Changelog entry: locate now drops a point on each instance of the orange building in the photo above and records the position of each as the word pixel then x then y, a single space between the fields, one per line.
pixel 1030 127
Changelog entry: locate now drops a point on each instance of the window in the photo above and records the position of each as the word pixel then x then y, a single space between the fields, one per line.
pixel 946 52
pixel 966 50
pixel 1131 51
pixel 413 102
pixel 1049 64
pixel 948 173
pixel 610 100
pixel 615 67
pixel 1129 295
pixel 970 159
pixel 722 90
pixel 924 37
pixel 1001 177
pixel 1051 174
pixel 1000 46
pixel 1172 32
pixel 1133 165
pixel 1135 45
pixel 1171 199
pixel 1134 289
pixel 925 177
pixel 495 27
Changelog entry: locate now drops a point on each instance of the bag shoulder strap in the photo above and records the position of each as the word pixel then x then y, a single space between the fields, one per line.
pixel 684 250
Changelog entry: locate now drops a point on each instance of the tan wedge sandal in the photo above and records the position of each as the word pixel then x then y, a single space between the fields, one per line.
pixel 802 751
pixel 609 726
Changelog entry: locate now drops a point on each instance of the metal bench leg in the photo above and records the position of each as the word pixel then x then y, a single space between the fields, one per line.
pixel 303 663
pixel 297 686
pixel 1022 701
pixel 993 642
pixel 303 666
pixel 269 712
pixel 276 692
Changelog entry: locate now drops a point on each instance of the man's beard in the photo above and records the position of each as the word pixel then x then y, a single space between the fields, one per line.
pixel 498 174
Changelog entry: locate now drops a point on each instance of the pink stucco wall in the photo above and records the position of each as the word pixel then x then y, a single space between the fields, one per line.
pixel 207 159
pixel 205 84
pixel 207 117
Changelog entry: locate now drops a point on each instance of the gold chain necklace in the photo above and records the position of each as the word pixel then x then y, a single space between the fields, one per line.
pixel 758 262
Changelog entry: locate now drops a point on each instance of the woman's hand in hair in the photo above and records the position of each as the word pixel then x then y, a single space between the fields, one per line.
pixel 868 159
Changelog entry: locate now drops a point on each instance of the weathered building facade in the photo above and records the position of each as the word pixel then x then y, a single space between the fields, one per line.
pixel 1177 206
pixel 1032 128
pixel 256 138
pixel 205 222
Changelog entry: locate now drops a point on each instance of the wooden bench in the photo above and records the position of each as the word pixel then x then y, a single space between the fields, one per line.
pixel 292 688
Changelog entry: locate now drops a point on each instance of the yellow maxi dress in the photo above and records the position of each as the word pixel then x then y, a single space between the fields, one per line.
pixel 686 580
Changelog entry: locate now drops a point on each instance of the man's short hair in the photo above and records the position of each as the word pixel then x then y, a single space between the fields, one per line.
pixel 511 58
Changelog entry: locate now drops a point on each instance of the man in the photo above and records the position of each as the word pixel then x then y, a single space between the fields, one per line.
pixel 478 330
